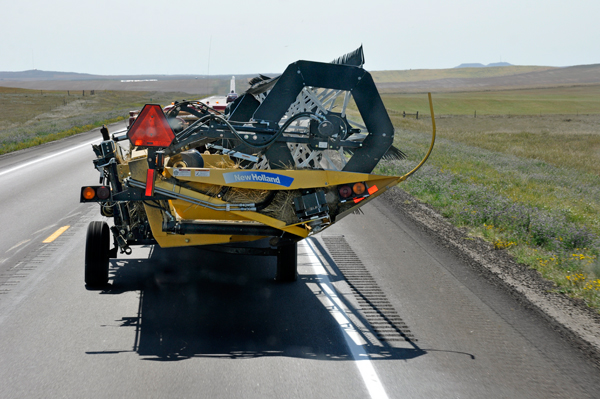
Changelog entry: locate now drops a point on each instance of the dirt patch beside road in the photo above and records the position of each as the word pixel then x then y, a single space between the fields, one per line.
pixel 573 319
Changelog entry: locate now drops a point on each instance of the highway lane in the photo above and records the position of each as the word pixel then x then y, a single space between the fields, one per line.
pixel 192 323
pixel 479 341
pixel 39 190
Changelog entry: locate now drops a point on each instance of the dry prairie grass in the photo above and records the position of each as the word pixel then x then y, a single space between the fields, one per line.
pixel 32 117
pixel 571 141
pixel 570 100
pixel 415 75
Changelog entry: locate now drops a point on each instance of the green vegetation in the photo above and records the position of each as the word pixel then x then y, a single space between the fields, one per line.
pixel 527 183
pixel 556 100
pixel 571 141
pixel 33 117
pixel 41 139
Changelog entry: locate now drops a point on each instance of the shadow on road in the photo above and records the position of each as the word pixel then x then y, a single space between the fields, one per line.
pixel 197 303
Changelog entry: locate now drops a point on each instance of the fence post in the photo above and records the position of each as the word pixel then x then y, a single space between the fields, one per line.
pixel 417 114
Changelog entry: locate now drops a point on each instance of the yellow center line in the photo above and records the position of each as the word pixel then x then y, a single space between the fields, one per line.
pixel 56 234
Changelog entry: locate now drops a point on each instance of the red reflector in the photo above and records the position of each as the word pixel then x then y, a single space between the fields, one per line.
pixel 151 128
pixel 103 192
pixel 150 183
pixel 345 191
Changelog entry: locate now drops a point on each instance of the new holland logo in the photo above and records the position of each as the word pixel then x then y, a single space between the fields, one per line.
pixel 258 177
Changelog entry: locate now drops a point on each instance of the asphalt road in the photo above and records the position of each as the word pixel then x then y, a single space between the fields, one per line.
pixel 379 310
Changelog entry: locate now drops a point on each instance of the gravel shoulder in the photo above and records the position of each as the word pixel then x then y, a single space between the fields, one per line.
pixel 570 317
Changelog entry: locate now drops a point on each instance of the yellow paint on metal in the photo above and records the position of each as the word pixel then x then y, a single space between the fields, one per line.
pixel 192 182
pixel 138 168
pixel 184 210
pixel 206 214
pixel 217 161
pixel 166 240
pixel 189 211
pixel 56 234
pixel 302 179
pixel 122 170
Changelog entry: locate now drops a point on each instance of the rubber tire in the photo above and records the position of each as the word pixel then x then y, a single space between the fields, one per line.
pixel 97 245
pixel 287 263
pixel 189 159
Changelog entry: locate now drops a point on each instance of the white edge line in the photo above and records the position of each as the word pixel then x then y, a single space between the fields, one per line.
pixel 360 356
pixel 18 245
pixel 20 166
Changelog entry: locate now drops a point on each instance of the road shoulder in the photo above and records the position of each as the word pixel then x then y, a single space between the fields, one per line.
pixel 571 318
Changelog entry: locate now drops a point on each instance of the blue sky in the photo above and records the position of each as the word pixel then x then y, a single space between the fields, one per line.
pixel 160 37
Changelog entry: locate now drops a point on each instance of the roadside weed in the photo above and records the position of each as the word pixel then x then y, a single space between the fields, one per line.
pixel 32 117
pixel 524 206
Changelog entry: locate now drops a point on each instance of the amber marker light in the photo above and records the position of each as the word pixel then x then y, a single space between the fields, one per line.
pixel 358 188
pixel 89 193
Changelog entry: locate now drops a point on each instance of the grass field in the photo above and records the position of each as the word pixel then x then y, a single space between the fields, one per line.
pixel 469 73
pixel 525 176
pixel 33 117
pixel 559 100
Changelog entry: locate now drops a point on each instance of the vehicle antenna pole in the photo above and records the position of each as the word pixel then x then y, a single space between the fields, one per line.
pixel 208 68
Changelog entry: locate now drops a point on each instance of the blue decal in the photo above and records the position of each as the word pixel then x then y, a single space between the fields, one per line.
pixel 258 177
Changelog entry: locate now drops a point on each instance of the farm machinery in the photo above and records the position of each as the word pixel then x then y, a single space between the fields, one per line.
pixel 287 159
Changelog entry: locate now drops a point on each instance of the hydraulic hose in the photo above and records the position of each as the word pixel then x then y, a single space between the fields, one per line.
pixel 430 147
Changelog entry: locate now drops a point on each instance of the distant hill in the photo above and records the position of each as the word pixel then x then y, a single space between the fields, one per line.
pixel 36 74
pixel 471 65
pixel 478 65
pixel 39 75
pixel 421 75
pixel 193 84
pixel 477 79
pixel 492 77
pixel 499 64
